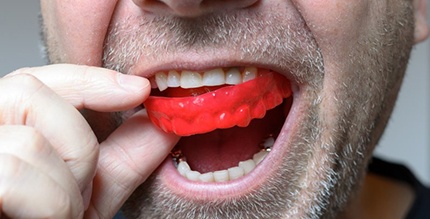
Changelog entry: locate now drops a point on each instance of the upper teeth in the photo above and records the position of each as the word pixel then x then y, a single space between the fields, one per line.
pixel 193 79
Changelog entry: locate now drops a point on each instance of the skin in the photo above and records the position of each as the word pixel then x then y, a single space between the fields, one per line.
pixel 342 63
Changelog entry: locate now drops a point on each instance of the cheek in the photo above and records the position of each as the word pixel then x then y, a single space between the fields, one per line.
pixel 77 28
pixel 336 24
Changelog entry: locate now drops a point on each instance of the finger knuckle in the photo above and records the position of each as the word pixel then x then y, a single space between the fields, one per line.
pixel 33 135
pixel 22 139
pixel 24 84
pixel 17 93
pixel 34 141
pixel 24 70
pixel 10 168
pixel 27 80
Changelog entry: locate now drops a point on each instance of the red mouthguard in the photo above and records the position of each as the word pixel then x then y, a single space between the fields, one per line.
pixel 222 108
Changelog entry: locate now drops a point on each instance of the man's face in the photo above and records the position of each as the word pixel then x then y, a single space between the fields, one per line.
pixel 343 59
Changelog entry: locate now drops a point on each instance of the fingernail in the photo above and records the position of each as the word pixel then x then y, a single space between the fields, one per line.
pixel 133 83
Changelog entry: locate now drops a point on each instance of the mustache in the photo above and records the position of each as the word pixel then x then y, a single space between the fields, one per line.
pixel 284 40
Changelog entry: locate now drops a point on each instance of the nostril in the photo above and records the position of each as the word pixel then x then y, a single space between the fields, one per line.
pixel 186 8
pixel 191 8
pixel 170 7
pixel 150 4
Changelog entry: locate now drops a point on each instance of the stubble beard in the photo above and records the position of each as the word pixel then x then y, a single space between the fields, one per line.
pixel 151 199
pixel 326 162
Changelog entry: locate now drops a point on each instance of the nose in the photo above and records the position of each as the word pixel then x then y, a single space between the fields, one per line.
pixel 191 8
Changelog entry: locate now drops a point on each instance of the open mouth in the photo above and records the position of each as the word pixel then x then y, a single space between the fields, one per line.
pixel 229 117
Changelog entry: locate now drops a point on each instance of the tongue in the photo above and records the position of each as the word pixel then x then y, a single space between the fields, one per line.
pixel 224 148
pixel 219 109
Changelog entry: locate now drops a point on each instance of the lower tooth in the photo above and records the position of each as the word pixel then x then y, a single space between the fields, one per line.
pixel 193 175
pixel 235 172
pixel 258 157
pixel 221 176
pixel 207 177
pixel 183 168
pixel 247 165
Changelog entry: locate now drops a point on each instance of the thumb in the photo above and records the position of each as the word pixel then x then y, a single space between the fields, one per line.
pixel 127 158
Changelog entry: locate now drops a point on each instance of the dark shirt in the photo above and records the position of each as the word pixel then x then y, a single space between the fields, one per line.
pixel 421 207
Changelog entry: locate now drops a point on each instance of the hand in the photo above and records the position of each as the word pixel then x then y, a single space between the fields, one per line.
pixel 49 154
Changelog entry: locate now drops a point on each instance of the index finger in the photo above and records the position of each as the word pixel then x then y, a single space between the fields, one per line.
pixel 90 87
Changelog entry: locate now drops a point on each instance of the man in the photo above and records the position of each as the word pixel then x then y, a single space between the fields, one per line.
pixel 260 109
